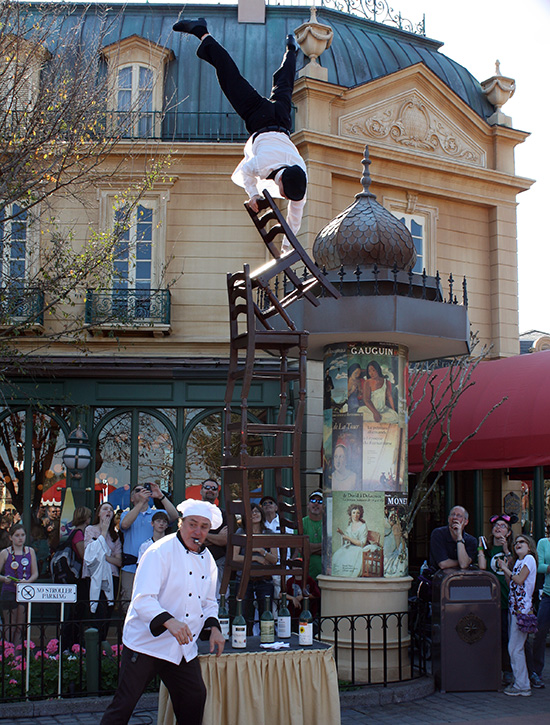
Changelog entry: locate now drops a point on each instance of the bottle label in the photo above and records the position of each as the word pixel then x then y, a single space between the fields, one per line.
pixel 224 624
pixel 283 627
pixel 267 631
pixel 239 636
pixel 305 635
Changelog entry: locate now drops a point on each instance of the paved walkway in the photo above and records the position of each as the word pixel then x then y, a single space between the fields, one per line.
pixel 473 708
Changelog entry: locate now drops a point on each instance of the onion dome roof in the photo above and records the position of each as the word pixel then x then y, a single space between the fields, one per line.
pixel 365 234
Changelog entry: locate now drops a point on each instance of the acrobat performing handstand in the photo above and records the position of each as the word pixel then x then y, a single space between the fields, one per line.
pixel 271 161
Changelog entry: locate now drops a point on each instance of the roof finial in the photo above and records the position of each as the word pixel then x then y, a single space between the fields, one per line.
pixel 365 179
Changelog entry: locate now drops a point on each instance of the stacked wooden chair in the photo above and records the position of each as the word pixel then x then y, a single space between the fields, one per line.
pixel 254 341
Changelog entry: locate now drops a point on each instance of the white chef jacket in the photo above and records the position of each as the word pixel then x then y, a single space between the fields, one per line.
pixel 170 581
pixel 270 151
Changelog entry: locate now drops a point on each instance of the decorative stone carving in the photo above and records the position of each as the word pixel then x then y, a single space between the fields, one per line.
pixel 314 38
pixel 409 120
pixel 499 89
pixel 412 200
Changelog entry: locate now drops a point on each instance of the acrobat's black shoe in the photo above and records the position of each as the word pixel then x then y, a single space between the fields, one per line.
pixel 193 27
pixel 291 42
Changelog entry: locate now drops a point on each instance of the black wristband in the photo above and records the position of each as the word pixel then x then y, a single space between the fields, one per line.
pixel 461 541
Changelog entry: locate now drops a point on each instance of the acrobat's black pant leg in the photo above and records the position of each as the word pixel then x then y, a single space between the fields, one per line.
pixel 255 110
pixel 283 85
pixel 241 95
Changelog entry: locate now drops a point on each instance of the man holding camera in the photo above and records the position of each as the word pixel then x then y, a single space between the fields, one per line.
pixel 135 526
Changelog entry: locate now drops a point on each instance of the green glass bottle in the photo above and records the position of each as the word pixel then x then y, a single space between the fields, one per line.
pixel 223 617
pixel 283 619
pixel 238 630
pixel 305 636
pixel 267 623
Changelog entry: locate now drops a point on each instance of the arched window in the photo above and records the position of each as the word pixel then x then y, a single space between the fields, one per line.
pixel 136 99
pixel 134 94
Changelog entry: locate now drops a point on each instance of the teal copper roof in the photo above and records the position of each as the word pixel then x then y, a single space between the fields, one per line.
pixel 360 52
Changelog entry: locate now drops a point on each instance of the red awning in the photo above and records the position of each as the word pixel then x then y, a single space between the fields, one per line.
pixel 517 434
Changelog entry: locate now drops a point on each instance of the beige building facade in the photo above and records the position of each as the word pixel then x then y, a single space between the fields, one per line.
pixel 437 163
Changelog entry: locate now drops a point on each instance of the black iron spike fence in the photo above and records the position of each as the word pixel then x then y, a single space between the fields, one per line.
pixel 368 649
pixel 376 281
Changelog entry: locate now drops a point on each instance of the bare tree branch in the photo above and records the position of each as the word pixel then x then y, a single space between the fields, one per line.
pixel 439 390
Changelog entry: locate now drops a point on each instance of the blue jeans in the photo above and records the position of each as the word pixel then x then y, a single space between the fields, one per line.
pixel 539 641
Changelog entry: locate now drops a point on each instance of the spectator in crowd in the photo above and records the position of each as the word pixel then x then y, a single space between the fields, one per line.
pixel 4 532
pixel 17 564
pixel 75 614
pixel 501 548
pixel 313 527
pixel 102 553
pixel 173 603
pixel 160 524
pixel 39 542
pixel 271 521
pixel 271 514
pixel 258 587
pixel 216 541
pixel 135 526
pixel 522 584
pixel 543 615
pixel 450 546
pixel 295 595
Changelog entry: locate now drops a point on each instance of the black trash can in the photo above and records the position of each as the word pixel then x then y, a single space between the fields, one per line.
pixel 466 630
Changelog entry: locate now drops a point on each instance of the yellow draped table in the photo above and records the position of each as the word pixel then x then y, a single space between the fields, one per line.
pixel 266 687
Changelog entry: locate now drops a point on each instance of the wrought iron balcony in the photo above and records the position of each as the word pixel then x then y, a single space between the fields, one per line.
pixel 175 126
pixel 23 306
pixel 128 309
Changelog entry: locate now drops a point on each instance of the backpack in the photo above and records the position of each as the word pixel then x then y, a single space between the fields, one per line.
pixel 64 564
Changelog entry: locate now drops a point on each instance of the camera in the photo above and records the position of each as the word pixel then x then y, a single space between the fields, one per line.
pixel 147 486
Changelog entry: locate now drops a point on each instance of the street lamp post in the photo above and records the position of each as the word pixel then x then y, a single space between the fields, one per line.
pixel 77 455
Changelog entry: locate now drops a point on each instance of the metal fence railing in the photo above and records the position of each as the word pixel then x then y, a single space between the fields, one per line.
pixel 67 659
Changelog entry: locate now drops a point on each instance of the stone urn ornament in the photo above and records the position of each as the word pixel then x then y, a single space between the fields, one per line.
pixel 499 89
pixel 314 38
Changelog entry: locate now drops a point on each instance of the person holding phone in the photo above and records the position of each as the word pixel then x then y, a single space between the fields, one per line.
pixel 135 525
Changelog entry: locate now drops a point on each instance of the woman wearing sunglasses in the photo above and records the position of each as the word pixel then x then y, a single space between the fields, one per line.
pixel 501 548
pixel 522 584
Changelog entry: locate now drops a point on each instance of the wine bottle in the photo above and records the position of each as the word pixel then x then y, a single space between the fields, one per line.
pixel 239 628
pixel 223 617
pixel 267 623
pixel 305 636
pixel 283 619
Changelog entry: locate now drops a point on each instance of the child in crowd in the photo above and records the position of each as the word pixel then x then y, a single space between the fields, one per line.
pixel 160 522
pixel 522 584
pixel 17 564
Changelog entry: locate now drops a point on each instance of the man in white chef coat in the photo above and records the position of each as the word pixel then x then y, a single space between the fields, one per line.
pixel 173 602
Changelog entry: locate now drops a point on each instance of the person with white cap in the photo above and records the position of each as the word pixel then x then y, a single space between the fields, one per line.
pixel 173 602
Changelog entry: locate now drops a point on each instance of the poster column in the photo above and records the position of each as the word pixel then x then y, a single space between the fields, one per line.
pixel 365 460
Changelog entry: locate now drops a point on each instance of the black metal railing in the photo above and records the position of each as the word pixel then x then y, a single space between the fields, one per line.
pixel 174 126
pixel 378 11
pixel 368 649
pixel 23 305
pixel 127 307
pixel 379 281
